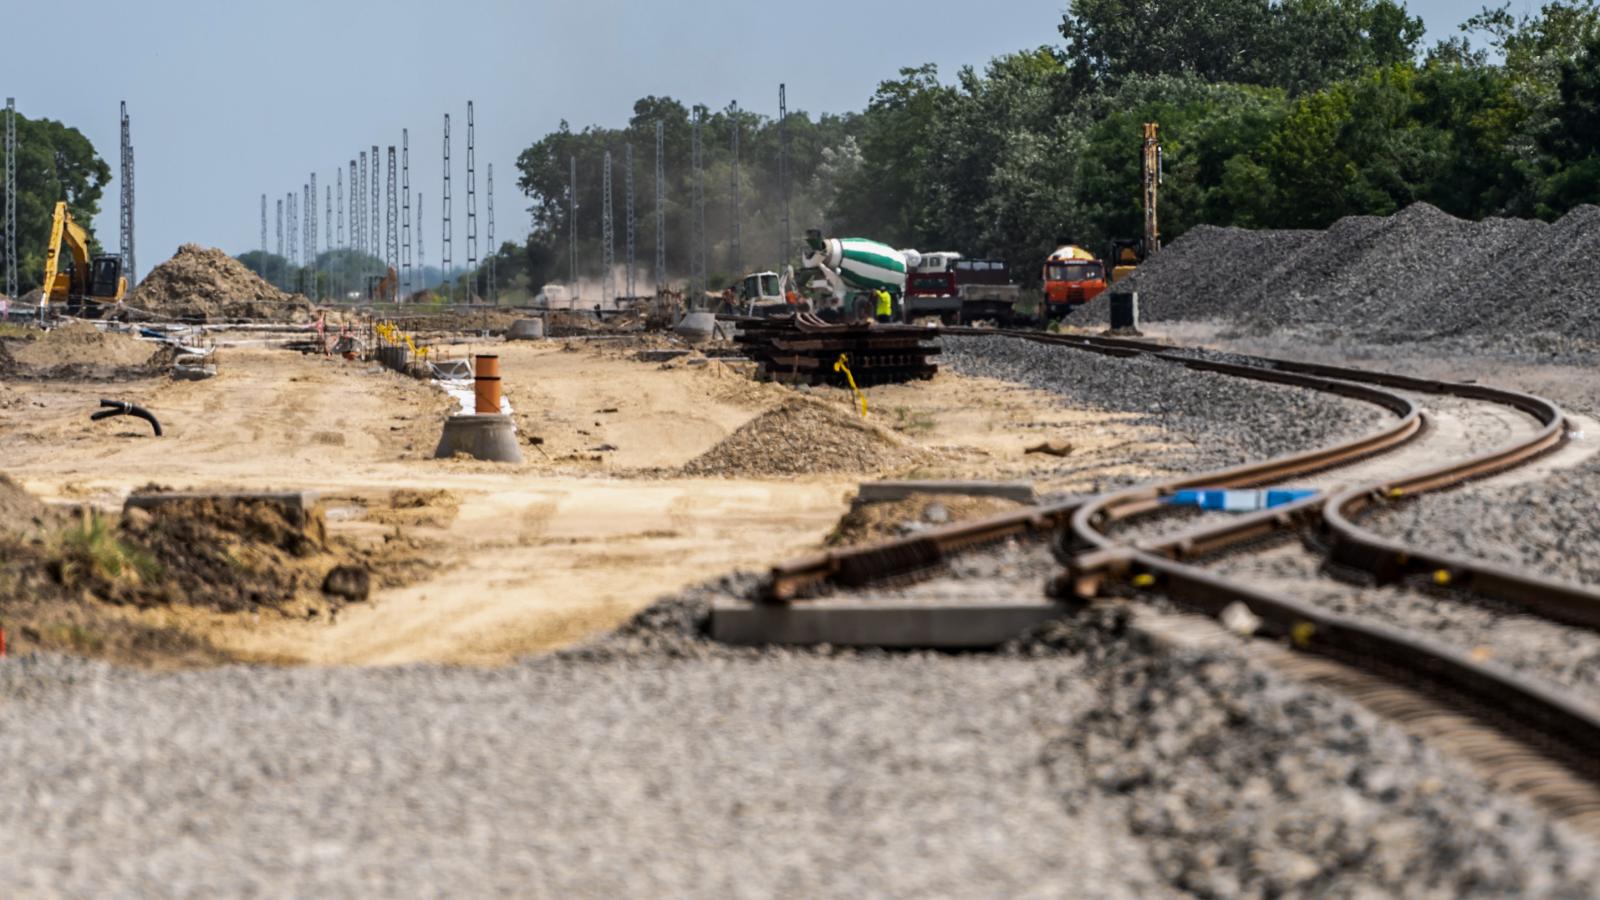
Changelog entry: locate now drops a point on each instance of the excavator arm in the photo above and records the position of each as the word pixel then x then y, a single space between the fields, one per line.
pixel 59 286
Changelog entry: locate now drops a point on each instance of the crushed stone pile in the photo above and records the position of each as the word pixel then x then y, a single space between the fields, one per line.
pixel 78 348
pixel 1420 274
pixel 206 284
pixel 804 437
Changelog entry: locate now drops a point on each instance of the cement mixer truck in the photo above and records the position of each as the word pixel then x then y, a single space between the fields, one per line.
pixel 853 268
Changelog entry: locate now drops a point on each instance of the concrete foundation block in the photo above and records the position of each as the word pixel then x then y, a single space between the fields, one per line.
pixel 487 437
pixel 868 623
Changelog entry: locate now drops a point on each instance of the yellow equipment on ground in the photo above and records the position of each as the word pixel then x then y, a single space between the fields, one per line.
pixel 86 284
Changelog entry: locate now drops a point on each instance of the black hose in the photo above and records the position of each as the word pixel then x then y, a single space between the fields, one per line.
pixel 124 408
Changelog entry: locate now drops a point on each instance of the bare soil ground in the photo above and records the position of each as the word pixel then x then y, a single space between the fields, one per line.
pixel 480 563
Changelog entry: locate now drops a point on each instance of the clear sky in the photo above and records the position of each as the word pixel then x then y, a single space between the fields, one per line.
pixel 230 100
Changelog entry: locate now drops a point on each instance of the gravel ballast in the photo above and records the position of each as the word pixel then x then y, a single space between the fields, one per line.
pixel 1217 420
pixel 1076 763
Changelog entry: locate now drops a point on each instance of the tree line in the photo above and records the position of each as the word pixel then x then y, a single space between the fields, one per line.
pixel 1273 113
pixel 54 163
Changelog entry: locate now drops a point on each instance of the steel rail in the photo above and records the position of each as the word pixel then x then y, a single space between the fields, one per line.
pixel 1556 725
pixel 1562 727
pixel 857 567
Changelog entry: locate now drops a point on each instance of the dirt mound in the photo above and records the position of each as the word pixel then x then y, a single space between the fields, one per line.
pixel 79 347
pixel 804 437
pixel 1420 274
pixel 21 513
pixel 206 284
pixel 868 523
pixel 228 554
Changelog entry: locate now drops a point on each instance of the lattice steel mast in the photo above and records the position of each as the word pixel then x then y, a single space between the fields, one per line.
pixel 279 281
pixel 358 205
pixel 494 252
pixel 129 267
pixel 422 254
pixel 661 212
pixel 472 207
pixel 572 224
pixel 11 198
pixel 735 253
pixel 449 291
pixel 697 272
pixel 311 235
pixel 405 212
pixel 783 172
pixel 263 235
pixel 608 259
pixel 627 206
pixel 391 247
pixel 375 233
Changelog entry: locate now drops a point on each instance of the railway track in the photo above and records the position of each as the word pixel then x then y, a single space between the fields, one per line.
pixel 1521 732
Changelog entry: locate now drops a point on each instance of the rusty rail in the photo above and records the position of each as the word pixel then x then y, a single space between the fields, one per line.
pixel 1563 729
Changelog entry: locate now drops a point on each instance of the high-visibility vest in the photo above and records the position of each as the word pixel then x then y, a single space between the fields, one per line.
pixel 885 305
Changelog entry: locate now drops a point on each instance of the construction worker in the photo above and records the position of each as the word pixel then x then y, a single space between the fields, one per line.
pixel 885 306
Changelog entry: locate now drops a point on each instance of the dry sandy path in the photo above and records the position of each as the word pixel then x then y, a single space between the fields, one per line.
pixel 521 558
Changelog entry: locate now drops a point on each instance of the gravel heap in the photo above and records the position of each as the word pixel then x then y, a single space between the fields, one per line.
pixel 1420 274
pixel 804 437
pixel 1226 420
pixel 205 284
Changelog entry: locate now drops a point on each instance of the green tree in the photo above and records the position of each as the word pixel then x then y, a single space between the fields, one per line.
pixel 54 163
pixel 1297 45
pixel 901 124
pixel 1574 143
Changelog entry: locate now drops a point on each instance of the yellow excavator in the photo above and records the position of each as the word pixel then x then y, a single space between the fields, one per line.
pixel 87 285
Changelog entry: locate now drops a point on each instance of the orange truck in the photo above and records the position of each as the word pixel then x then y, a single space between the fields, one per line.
pixel 1072 277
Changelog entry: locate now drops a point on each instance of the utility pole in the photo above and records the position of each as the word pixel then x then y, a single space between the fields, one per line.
pixel 290 240
pixel 472 209
pixel 405 212
pixel 627 192
pixel 327 233
pixel 697 274
pixel 783 172
pixel 661 212
pixel 11 199
pixel 572 224
pixel 391 247
pixel 422 254
pixel 129 268
pixel 449 289
pixel 494 251
pixel 734 250
pixel 608 259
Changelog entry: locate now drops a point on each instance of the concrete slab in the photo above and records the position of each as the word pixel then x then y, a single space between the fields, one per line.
pixel 847 622
pixel 883 491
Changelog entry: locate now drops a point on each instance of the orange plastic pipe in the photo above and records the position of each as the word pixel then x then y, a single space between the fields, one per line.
pixel 486 384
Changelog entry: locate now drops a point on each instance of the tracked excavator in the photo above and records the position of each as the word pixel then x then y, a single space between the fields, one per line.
pixel 86 285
